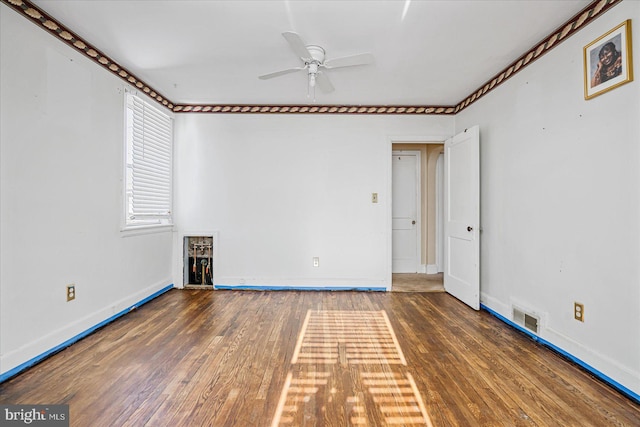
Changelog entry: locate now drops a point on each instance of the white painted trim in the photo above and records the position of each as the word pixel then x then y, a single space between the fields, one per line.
pixel 178 254
pixel 418 177
pixel 409 139
pixel 627 377
pixel 400 139
pixel 495 305
pixel 389 185
pixel 141 94
pixel 404 139
pixel 127 230
pixel 440 213
pixel 146 229
pixel 45 343
pixel 302 282
pixel 431 269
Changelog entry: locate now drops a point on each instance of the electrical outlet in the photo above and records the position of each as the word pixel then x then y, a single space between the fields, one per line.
pixel 71 292
pixel 578 311
pixel 316 261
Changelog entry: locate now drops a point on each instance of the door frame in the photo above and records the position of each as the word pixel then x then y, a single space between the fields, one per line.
pixel 400 139
pixel 440 213
pixel 418 200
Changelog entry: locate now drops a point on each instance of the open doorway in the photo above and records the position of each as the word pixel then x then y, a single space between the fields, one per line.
pixel 417 238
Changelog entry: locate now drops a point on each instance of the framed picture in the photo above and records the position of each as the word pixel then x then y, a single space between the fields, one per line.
pixel 607 61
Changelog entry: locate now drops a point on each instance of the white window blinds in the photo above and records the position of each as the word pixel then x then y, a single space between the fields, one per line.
pixel 148 164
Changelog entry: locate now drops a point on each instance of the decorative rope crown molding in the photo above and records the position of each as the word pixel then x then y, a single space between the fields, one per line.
pixel 51 25
pixel 313 109
pixel 579 21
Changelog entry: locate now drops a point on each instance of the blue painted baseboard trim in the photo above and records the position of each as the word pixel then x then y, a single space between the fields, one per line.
pixel 295 288
pixel 15 371
pixel 622 389
pixel 29 363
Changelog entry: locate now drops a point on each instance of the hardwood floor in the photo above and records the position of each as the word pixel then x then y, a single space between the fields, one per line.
pixel 304 358
pixel 417 282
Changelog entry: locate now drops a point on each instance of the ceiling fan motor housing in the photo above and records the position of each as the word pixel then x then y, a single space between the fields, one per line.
pixel 317 53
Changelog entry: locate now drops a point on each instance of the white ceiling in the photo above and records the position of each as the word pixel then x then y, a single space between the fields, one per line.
pixel 212 52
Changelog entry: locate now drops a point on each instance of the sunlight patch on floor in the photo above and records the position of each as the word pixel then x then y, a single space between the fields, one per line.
pixel 349 362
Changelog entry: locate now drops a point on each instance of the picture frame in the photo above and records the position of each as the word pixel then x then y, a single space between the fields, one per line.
pixel 608 62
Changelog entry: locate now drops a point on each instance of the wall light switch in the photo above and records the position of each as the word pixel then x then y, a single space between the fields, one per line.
pixel 316 261
pixel 374 197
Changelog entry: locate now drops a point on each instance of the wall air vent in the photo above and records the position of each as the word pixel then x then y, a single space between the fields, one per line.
pixel 527 320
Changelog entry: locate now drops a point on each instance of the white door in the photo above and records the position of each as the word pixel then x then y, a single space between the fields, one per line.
pixel 462 217
pixel 405 215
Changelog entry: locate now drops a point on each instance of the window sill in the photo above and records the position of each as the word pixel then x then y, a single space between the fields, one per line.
pixel 136 230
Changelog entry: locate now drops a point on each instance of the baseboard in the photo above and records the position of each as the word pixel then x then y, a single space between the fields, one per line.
pixel 296 288
pixel 431 269
pixel 595 372
pixel 495 304
pixel 301 283
pixel 12 358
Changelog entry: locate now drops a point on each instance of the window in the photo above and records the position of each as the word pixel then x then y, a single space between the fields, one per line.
pixel 149 153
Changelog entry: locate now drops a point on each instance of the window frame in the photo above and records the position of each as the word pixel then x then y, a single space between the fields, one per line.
pixel 144 223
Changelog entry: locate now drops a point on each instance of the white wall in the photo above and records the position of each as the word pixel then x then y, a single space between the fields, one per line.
pixel 560 202
pixel 61 197
pixel 560 198
pixel 282 189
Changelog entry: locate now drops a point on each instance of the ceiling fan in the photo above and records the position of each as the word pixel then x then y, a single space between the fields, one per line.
pixel 313 57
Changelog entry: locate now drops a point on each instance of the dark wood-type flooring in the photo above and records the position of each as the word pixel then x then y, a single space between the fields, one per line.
pixel 224 358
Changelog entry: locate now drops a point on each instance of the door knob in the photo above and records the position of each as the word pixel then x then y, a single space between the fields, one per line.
pixel 413 222
pixel 469 228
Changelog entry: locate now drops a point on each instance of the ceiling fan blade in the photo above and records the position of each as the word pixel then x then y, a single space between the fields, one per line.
pixel 350 61
pixel 297 45
pixel 324 83
pixel 280 73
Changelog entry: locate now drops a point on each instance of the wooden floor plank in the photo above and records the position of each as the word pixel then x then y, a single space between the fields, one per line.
pixel 223 358
pixel 417 282
pixel 477 356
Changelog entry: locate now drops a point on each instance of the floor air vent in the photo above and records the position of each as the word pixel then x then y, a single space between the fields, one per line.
pixel 526 320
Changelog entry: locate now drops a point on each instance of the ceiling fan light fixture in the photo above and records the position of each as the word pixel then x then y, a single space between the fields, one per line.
pixel 311 86
pixel 313 71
